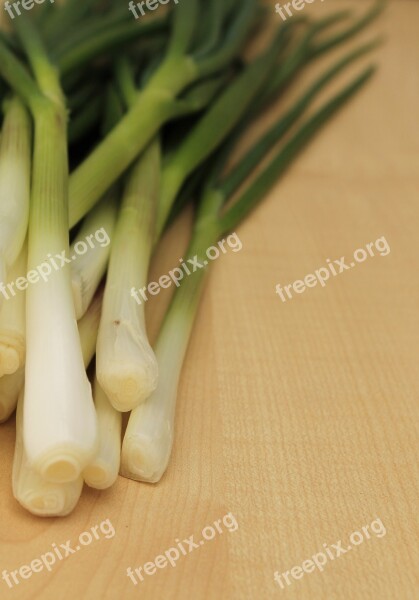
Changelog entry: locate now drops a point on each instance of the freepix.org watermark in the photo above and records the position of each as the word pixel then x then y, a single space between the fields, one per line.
pixel 187 268
pixel 182 548
pixel 13 8
pixel 58 552
pixel 57 262
pixel 333 268
pixel 329 553
pixel 288 8
pixel 146 4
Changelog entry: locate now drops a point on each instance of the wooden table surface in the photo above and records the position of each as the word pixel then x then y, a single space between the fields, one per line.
pixel 299 418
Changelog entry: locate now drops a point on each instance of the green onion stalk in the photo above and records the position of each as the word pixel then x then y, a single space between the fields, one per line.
pixel 15 175
pixel 149 435
pixel 125 363
pixel 59 420
pixel 88 269
pixel 88 327
pixel 126 368
pixel 10 388
pixel 13 321
pixel 35 494
pixel 102 472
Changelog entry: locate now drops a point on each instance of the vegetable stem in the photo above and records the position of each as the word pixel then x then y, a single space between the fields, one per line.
pixel 15 165
pixel 59 446
pixel 149 435
pixel 126 365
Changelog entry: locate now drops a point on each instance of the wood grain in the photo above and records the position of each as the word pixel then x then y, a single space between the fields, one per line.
pixel 300 418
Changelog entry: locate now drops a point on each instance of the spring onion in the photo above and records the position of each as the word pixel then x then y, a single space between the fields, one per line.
pixel 36 495
pixel 102 471
pixel 15 164
pixel 10 388
pixel 58 447
pixel 125 363
pixel 88 268
pixel 13 321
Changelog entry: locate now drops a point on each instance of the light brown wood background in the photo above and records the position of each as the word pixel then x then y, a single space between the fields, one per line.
pixel 299 418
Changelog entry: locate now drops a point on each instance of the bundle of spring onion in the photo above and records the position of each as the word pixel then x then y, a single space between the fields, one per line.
pixel 112 126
